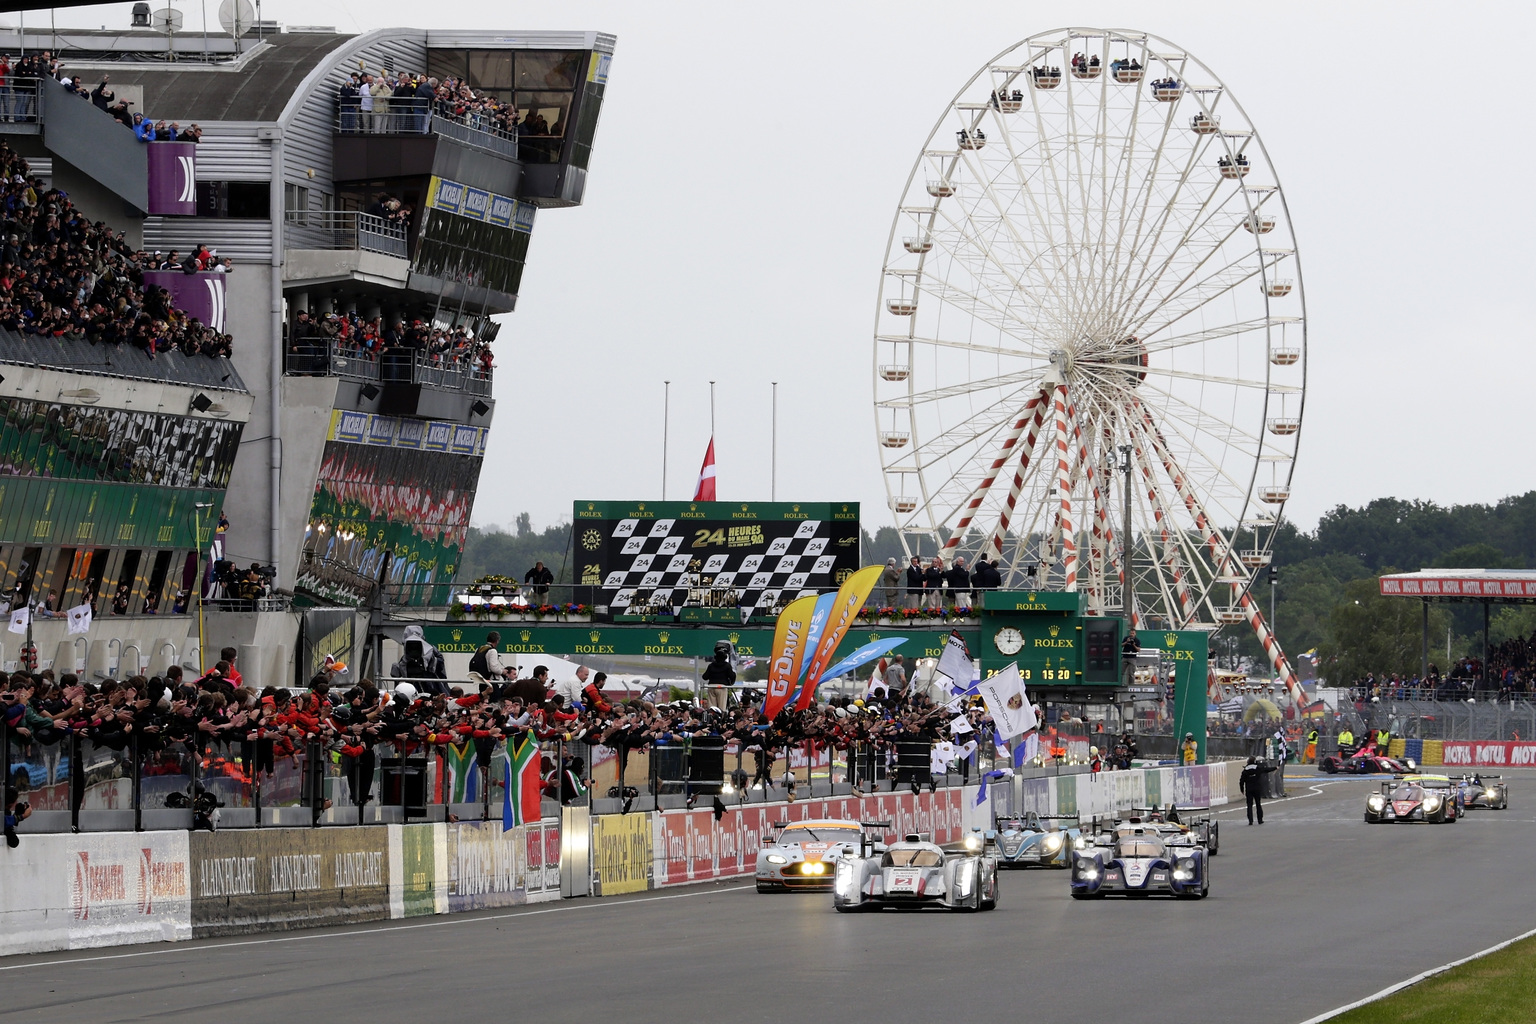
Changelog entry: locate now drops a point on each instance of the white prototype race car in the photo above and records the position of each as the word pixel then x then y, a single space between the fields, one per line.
pixel 917 873
pixel 803 854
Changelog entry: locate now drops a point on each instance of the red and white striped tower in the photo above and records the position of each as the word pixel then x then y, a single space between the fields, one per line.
pixel 1031 413
pixel 995 542
pixel 1221 552
pixel 1064 492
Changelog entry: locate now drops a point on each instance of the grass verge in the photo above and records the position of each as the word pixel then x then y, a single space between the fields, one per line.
pixel 1496 989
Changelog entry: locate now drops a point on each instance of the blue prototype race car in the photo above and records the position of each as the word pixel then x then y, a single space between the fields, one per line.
pixel 1141 860
pixel 1029 840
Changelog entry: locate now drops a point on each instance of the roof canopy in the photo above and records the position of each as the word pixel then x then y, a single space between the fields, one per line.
pixel 1479 584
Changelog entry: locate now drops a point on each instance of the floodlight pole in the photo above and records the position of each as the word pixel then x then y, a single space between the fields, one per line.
pixel 666 415
pixel 1125 537
pixel 773 461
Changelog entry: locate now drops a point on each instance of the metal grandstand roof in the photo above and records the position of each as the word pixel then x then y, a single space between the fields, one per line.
pixel 1483 584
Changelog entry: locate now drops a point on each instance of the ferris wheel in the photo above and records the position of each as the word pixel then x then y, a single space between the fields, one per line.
pixel 1092 288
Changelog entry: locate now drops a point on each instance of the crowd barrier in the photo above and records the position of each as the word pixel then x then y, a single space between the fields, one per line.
pixel 76 891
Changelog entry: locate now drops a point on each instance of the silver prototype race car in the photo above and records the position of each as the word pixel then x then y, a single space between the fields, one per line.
pixel 804 854
pixel 917 873
pixel 1488 791
pixel 1137 858
pixel 1024 840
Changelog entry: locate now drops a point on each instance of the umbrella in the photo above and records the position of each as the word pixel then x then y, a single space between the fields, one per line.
pixel 1261 708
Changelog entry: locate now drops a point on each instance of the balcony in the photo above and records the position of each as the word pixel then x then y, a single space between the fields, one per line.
pixel 475 132
pixel 342 230
pixel 317 357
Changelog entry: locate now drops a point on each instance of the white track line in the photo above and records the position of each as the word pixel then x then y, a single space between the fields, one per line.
pixel 188 947
pixel 1240 804
pixel 1415 980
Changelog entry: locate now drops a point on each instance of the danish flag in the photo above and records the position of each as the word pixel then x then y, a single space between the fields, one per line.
pixel 706 489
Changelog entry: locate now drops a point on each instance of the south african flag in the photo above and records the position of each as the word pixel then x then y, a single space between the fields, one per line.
pixel 463 773
pixel 520 805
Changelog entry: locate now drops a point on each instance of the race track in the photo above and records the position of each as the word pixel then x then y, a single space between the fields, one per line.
pixel 1310 911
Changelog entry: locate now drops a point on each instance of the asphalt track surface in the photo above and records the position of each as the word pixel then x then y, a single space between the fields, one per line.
pixel 1310 911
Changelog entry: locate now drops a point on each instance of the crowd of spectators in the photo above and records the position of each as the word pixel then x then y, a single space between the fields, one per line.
pixel 64 276
pixel 222 717
pixel 355 336
pixel 1511 675
pixel 403 102
pixel 937 585
pixel 18 100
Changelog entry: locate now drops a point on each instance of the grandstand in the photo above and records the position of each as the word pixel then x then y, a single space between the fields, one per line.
pixel 350 254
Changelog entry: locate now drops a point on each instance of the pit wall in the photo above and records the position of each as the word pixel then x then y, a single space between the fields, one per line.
pixel 63 891
pixel 652 850
pixel 114 888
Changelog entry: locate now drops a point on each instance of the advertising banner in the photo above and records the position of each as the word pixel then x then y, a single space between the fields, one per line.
pixel 758 550
pixel 173 181
pixel 488 867
pixel 1488 754
pixel 127 887
pixel 690 846
pixel 621 853
pixel 413 866
pixel 275 879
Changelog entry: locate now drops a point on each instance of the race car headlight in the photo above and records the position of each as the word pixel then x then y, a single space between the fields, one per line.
pixel 1052 842
pixel 1431 803
pixel 1411 763
pixel 774 858
pixel 1080 843
pixel 1490 793
pixel 843 880
pixel 1376 803
pixel 973 842
pixel 1184 870
pixel 816 867
pixel 964 876
pixel 1089 872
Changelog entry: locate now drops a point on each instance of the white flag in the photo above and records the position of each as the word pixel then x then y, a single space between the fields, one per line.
pixel 19 619
pixel 1031 747
pixel 955 663
pixel 80 618
pixel 960 726
pixel 942 754
pixel 1004 694
pixel 966 750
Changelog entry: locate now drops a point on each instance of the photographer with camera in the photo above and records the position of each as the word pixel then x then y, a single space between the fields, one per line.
pixel 17 811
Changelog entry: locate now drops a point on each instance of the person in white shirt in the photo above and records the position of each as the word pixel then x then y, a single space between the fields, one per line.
pixel 571 689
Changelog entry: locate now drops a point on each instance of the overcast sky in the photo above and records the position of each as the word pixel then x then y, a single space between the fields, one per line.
pixel 748 165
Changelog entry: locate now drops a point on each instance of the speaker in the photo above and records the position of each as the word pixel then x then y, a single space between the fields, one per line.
pixel 201 402
pixel 706 764
pixel 368 392
pixel 914 762
pixel 400 399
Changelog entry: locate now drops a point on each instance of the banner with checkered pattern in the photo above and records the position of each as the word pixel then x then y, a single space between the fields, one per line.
pixel 743 554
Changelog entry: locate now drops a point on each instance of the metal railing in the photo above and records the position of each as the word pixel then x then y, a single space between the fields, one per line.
pixel 20 101
pixel 318 357
pixel 344 229
pixel 419 117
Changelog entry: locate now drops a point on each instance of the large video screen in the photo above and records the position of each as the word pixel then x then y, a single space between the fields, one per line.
pixel 747 554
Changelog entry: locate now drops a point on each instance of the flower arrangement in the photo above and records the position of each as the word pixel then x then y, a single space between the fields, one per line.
pixel 867 614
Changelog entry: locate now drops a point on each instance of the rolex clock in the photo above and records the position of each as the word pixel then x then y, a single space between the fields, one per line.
pixel 1008 641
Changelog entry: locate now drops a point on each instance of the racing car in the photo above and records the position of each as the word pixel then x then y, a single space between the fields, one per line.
pixel 917 872
pixel 1172 821
pixel 1031 839
pixel 1365 763
pixel 1483 791
pixel 1140 858
pixel 1414 798
pixel 804 854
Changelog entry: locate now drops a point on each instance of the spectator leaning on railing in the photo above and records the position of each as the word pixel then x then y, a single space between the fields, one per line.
pixel 64 276
pixel 243 732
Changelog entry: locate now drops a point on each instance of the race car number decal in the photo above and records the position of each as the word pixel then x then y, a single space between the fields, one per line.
pixel 905 880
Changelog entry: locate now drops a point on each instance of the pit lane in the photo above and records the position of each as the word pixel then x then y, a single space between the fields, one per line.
pixel 1310 911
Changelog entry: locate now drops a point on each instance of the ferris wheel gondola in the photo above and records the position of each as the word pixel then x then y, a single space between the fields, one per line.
pixel 1104 295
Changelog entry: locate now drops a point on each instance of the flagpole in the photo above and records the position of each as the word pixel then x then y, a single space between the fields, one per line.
pixel 666 415
pixel 773 460
pixel 711 410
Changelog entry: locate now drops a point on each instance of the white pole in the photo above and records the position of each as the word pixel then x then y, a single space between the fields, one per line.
pixel 773 479
pixel 666 414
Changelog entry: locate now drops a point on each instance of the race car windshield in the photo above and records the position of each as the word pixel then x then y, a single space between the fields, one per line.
pixel 1139 847
pixel 820 835
pixel 911 859
pixel 1407 793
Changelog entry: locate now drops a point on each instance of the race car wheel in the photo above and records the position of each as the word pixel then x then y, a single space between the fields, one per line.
pixel 1331 767
pixel 1215 838
pixel 845 908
